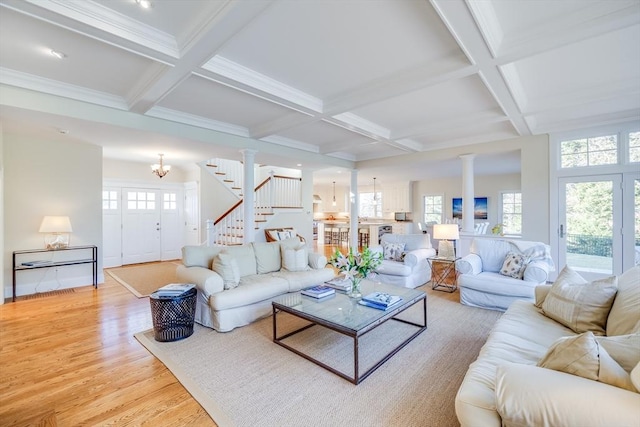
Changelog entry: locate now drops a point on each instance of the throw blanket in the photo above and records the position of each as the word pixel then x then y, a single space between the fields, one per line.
pixel 535 251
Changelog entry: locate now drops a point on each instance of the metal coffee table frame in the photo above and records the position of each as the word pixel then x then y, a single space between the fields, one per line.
pixel 354 334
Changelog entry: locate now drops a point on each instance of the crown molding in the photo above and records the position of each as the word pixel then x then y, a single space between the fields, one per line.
pixel 101 17
pixel 193 120
pixel 238 73
pixel 53 87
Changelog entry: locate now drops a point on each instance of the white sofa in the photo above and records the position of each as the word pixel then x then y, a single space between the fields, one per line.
pixel 480 281
pixel 413 270
pixel 261 280
pixel 504 387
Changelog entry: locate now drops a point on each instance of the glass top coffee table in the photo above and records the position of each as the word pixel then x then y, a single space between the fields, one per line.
pixel 329 313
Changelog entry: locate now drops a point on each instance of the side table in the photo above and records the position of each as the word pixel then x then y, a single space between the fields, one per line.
pixel 443 274
pixel 173 316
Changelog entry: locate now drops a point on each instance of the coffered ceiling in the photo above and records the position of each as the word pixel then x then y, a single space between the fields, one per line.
pixel 319 82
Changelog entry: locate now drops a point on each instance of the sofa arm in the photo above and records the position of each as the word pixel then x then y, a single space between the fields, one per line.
pixel 528 395
pixel 414 257
pixel 536 271
pixel 207 281
pixel 317 261
pixel 469 264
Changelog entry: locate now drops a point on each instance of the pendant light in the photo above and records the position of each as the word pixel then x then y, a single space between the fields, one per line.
pixel 334 194
pixel 375 198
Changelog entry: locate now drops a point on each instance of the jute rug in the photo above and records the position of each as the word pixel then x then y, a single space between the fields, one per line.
pixel 241 378
pixel 143 279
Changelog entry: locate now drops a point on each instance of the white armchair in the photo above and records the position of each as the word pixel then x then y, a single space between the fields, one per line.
pixel 411 268
pixel 483 285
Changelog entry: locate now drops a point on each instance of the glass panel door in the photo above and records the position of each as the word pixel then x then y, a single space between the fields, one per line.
pixel 590 225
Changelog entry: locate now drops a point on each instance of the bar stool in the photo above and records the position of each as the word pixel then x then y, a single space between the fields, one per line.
pixel 363 236
pixel 327 235
pixel 344 235
pixel 335 235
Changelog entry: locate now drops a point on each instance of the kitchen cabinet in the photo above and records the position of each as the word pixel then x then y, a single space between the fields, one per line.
pixel 396 198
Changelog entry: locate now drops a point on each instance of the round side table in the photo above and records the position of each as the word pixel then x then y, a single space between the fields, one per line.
pixel 173 316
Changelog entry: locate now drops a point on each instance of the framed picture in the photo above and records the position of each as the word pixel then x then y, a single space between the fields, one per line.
pixel 479 208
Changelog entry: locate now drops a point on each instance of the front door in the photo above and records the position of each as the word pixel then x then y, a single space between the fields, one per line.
pixel 140 225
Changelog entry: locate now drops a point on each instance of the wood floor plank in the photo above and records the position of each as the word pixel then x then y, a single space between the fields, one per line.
pixel 71 359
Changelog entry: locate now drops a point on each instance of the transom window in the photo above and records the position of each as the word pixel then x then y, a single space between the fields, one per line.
pixel 511 212
pixel 433 208
pixel 169 202
pixel 109 200
pixel 599 150
pixel 634 147
pixel 141 200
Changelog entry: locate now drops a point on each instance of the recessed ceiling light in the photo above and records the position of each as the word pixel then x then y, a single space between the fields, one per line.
pixel 145 4
pixel 58 54
pixel 299 164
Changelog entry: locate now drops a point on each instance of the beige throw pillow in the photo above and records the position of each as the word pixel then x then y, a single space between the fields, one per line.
pixel 624 349
pixel 295 259
pixel 581 355
pixel 580 305
pixel 227 267
pixel 635 377
pixel 624 317
pixel 514 265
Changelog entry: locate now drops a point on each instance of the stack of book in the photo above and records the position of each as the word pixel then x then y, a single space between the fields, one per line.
pixel 340 283
pixel 381 300
pixel 319 292
pixel 173 290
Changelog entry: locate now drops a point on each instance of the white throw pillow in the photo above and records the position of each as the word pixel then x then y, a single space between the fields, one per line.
pixel 267 256
pixel 579 305
pixel 393 251
pixel 514 265
pixel 227 267
pixel 295 259
pixel 583 356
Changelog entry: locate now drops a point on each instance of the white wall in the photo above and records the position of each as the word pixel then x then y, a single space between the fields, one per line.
pixel 50 178
pixel 2 276
pixel 135 171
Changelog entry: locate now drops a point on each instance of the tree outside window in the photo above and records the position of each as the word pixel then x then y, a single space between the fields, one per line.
pixel 511 212
pixel 433 209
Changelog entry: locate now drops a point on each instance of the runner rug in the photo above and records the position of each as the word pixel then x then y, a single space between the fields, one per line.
pixel 241 378
pixel 143 279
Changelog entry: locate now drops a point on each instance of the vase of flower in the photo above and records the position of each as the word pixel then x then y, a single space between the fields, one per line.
pixel 356 266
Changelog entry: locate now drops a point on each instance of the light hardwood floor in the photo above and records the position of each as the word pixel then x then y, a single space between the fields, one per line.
pixel 71 359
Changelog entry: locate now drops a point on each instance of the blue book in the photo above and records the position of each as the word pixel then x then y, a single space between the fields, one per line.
pixel 382 299
pixel 378 306
pixel 318 291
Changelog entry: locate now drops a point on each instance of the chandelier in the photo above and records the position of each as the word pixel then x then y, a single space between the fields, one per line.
pixel 375 197
pixel 334 194
pixel 160 169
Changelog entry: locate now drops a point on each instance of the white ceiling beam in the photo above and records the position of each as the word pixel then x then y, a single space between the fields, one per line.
pixel 225 24
pixel 458 19
pixel 282 123
pixel 469 121
pixel 587 122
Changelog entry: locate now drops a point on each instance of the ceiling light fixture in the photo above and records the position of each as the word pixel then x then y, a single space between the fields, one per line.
pixel 57 54
pixel 334 194
pixel 145 4
pixel 375 198
pixel 160 169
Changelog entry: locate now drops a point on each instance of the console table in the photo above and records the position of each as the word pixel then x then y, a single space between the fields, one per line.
pixel 32 265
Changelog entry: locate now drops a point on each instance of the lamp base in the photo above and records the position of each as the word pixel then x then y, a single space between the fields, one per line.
pixel 446 249
pixel 56 241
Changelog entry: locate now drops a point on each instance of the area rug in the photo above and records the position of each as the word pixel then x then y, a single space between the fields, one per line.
pixel 241 378
pixel 143 279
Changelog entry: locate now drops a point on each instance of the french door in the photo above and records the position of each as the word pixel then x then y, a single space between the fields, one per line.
pixel 598 223
pixel 140 225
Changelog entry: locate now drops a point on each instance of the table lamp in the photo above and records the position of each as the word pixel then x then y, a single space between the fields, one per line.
pixel 57 229
pixel 446 234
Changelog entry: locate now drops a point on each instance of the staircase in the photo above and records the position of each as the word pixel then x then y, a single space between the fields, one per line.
pixel 273 194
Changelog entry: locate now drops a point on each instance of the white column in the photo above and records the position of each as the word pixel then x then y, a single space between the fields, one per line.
pixel 248 157
pixel 353 200
pixel 468 196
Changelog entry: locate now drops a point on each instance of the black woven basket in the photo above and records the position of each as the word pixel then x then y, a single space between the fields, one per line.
pixel 173 316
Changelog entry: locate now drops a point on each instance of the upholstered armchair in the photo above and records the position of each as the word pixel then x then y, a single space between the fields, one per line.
pixel 497 272
pixel 405 259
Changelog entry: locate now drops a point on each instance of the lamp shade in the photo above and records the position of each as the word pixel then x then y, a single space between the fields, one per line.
pixel 446 232
pixel 55 224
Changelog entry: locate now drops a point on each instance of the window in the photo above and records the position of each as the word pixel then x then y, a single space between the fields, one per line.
pixel 139 200
pixel 169 202
pixel 511 212
pixel 433 209
pixel 600 150
pixel 370 207
pixel 109 200
pixel 634 147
